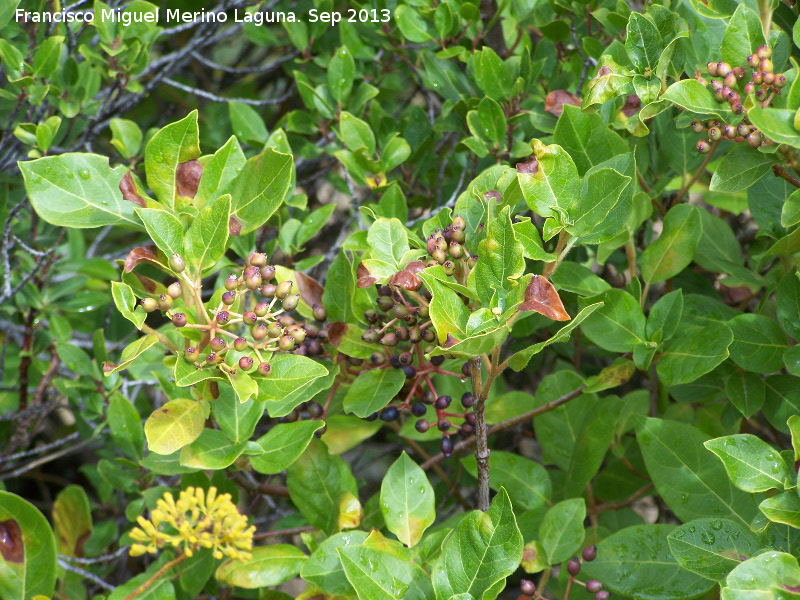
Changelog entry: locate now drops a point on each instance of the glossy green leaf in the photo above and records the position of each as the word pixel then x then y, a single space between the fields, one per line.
pixel 746 391
pixel 125 424
pixel 758 343
pixel 693 96
pixel 783 508
pixel 674 250
pixel 483 550
pixel 757 577
pixel 377 574
pixel 247 124
pixel 164 228
pixel 207 238
pixel 787 300
pixel 324 567
pixel 526 482
pixel 586 138
pixel 618 324
pixel 712 548
pixel 555 184
pixel 448 313
pixel 218 171
pixel 693 352
pixel 501 263
pixel 740 169
pixel 171 146
pixel 643 43
pixel 269 565
pixel 282 445
pixel 211 450
pixel 126 304
pixel 743 35
pixel 178 423
pixel 373 390
pixel 752 464
pixel 407 500
pixel 561 532
pixel 289 373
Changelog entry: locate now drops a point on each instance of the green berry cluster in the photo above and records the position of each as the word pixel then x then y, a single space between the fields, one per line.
pixel 764 84
pixel 251 320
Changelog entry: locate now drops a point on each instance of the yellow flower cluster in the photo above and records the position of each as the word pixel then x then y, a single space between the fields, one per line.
pixel 197 520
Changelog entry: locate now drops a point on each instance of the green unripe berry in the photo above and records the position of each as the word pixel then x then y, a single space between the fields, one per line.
pixel 780 81
pixel 730 79
pixel 428 335
pixel 245 363
pixel 274 329
pixel 423 312
pixel 164 302
pixel 286 343
pixel 712 69
pixel 258 331
pixel 283 289
pixel 754 139
pixel 261 309
pixel 768 78
pixel 268 290
pixel 191 354
pixel 149 304
pixel 319 313
pixel 764 51
pixel 456 250
pixel 179 320
pixel 703 147
pixel 222 317
pixel 217 344
pixel 240 344
pixel 473 260
pixel 228 298
pixel 389 339
pixel 212 359
pixel 449 267
pixel 385 304
pixel 415 335
pixel 268 273
pixel 714 134
pixel 249 318
pixel 253 282
pixel 264 368
pixel 174 290
pixel 298 333
pixel 177 264
pixel 439 256
pixel 232 282
pixel 458 223
pixel 749 87
pixel 758 78
pixel 737 108
pixel 753 60
pixel 458 235
pixel 291 302
pixel 370 336
pixel 697 126
pixel 257 259
pixel 743 130
pixel 765 65
pixel 729 131
pixel 723 69
pixel 399 310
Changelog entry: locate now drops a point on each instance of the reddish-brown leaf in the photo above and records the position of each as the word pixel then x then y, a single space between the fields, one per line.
pixel 11 546
pixel 147 253
pixel 415 266
pixel 450 341
pixel 554 101
pixel 493 195
pixel 542 297
pixel 335 332
pixel 632 105
pixel 187 178
pixel 234 225
pixel 310 289
pixel 531 167
pixel 129 192
pixel 405 280
pixel 148 284
pixel 365 280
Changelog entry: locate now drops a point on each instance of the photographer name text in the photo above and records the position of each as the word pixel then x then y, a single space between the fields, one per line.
pixel 127 18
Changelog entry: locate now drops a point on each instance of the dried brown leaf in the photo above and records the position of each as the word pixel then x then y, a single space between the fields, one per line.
pixel 542 297
pixel 129 192
pixel 147 253
pixel 187 178
pixel 554 101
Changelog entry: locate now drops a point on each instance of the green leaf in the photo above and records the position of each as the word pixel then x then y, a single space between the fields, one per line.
pixel 787 301
pixel 618 325
pixel 746 391
pixel 218 171
pixel 313 223
pixel 247 124
pixel 758 343
pixel 171 146
pixel 483 550
pixel 164 228
pixel 125 424
pixel 269 565
pixel 502 261
pixel 317 481
pixel 555 185
pixel 697 350
pixel 373 390
pixel 236 419
pixel 605 202
pixel 636 562
pixel 526 482
pixel 751 463
pixel 72 519
pixel 28 564
pixel 712 548
pixel 790 213
pixel 341 73
pixel 207 238
pixel 643 43
pixel 743 35
pixel 126 304
pixel 759 576
pixel 394 153
pixel 127 137
pixel 259 188
pixel 519 360
pixel 775 123
pixel 587 138
pixel 411 24
pixel 196 571
pixel 356 134
pixel 340 287
pixel 178 423
pixel 211 450
pixel 282 445
pixel 691 485
pixel 674 250
pixel 693 96
pixel 289 373
pixel 561 532
pixel 324 567
pixel 783 508
pixel 388 241
pixel 408 503
pixel 491 122
pixel 376 574
pixel 448 313
pixel 491 74
pixel 740 169
pixel 77 190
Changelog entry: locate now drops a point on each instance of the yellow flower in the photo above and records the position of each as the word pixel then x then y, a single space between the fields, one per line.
pixel 197 520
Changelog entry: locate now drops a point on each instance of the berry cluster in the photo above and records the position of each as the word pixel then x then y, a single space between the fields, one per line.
pixel 764 85
pixel 593 586
pixel 247 321
pixel 400 323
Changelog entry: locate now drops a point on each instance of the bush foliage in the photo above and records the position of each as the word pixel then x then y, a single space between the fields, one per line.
pixel 443 299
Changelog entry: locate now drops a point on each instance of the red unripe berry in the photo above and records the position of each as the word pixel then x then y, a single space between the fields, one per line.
pixel 245 363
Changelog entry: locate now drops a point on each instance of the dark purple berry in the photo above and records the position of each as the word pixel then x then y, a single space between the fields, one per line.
pixel 390 413
pixel 422 425
pixel 410 372
pixel 372 417
pixel 574 566
pixel 447 447
pixel 589 553
pixel 444 425
pixel 442 402
pixel 593 586
pixel 467 400
pixel 418 409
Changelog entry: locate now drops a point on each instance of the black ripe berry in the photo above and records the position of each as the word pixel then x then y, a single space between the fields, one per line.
pixel 428 397
pixel 442 402
pixel 422 425
pixel 437 361
pixel 467 400
pixel 372 417
pixel 444 425
pixel 418 409
pixel 465 369
pixel 390 413
pixel 447 447
pixel 410 372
